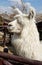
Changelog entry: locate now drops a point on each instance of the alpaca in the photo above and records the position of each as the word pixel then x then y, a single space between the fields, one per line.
pixel 25 38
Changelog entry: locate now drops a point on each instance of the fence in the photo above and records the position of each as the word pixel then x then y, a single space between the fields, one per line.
pixel 4 29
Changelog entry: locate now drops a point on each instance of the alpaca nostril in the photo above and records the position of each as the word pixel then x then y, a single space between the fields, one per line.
pixel 9 25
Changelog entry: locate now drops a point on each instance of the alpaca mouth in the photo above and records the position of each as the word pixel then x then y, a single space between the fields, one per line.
pixel 17 31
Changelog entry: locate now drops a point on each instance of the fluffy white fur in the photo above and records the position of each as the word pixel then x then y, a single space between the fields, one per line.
pixel 26 37
pixel 17 11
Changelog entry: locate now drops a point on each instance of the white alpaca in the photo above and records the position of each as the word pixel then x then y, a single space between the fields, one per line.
pixel 26 37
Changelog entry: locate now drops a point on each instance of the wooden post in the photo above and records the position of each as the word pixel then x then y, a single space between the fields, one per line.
pixel 19 59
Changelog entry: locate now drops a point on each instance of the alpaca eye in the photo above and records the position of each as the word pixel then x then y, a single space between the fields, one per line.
pixel 18 22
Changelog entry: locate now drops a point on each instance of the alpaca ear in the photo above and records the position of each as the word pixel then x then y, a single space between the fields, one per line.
pixel 32 13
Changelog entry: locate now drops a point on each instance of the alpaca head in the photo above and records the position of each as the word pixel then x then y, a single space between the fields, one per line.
pixel 20 21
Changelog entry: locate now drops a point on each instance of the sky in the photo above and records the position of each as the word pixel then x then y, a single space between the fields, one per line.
pixel 37 4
